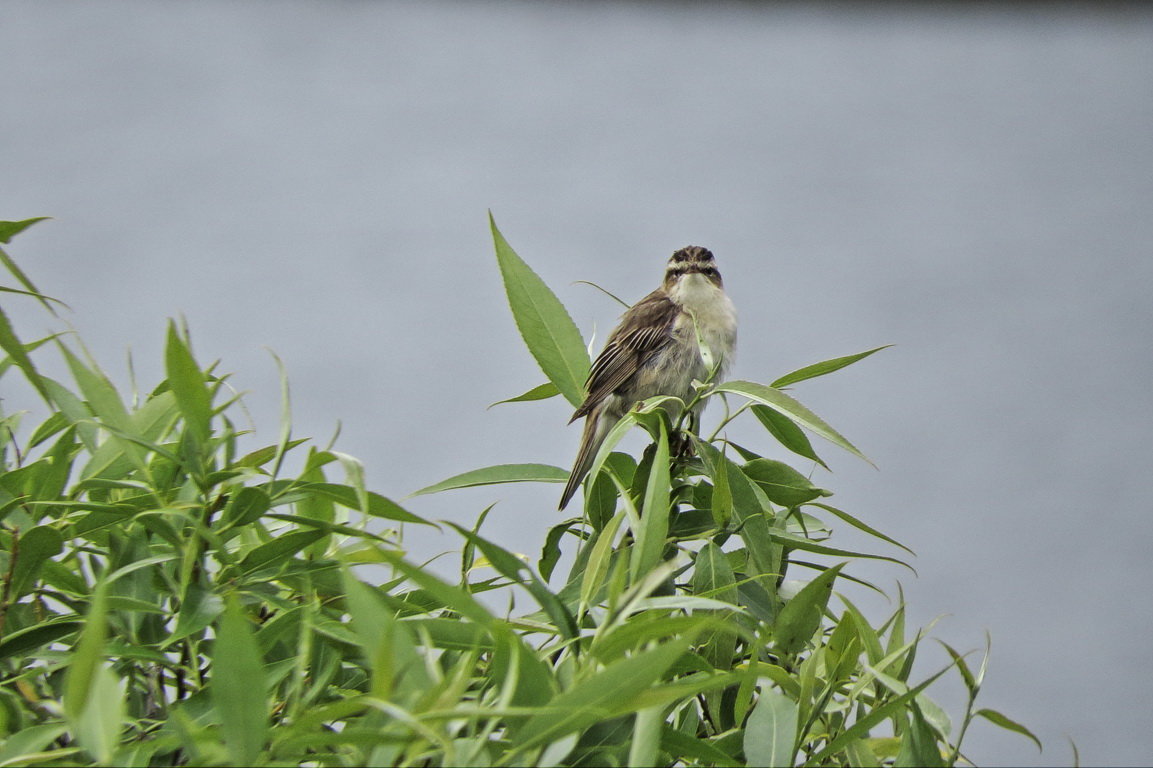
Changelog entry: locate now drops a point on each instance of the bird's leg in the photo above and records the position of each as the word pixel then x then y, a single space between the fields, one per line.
pixel 681 444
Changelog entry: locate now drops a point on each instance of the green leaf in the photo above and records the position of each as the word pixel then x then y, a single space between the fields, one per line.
pixel 821 368
pixel 859 525
pixel 865 723
pixel 29 741
pixel 609 693
pixel 378 506
pixel 501 473
pixel 541 392
pixel 99 723
pixel 35 547
pixel 683 745
pixel 21 641
pixel 238 686
pixel 187 383
pixel 713 577
pixel 748 512
pixel 654 529
pixel 799 619
pixel 791 409
pixel 551 551
pixel 646 741
pixel 102 397
pixel 246 506
pixel 278 550
pixel 996 718
pixel 962 667
pixel 781 483
pixel 392 655
pixel 512 567
pixel 449 596
pixel 88 653
pixel 800 542
pixel 545 325
pixel 918 745
pixel 787 433
pixel 16 350
pixel 9 229
pixel 771 731
pixel 599 560
pixel 200 608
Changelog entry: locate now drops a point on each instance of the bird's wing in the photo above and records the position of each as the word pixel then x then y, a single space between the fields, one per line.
pixel 645 328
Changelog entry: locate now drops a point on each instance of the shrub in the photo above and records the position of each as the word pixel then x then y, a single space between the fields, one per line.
pixel 171 596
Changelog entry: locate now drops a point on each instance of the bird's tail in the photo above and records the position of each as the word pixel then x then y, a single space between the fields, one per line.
pixel 595 430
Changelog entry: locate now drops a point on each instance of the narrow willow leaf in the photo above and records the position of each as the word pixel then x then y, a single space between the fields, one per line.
pixel 19 355
pixel 609 693
pixel 449 596
pixel 378 506
pixel 501 473
pixel 861 727
pixel 645 745
pixel 862 526
pixel 512 567
pixel 823 367
pixel 918 745
pixel 771 731
pixel 654 530
pixel 996 718
pixel 799 619
pixel 27 742
pixel 713 576
pixel 598 563
pixel 861 755
pixel 800 542
pixel 605 291
pixel 99 724
pixel 541 392
pixel 34 548
pixel 45 300
pixel 387 644
pixel 781 483
pixel 683 745
pixel 238 686
pixel 101 395
pixel 278 550
pixel 554 754
pixel 187 383
pixel 551 551
pixel 9 230
pixel 789 407
pixel 962 667
pixel 88 654
pixel 787 433
pixel 22 641
pixel 246 506
pixel 199 609
pixel 748 511
pixel 545 325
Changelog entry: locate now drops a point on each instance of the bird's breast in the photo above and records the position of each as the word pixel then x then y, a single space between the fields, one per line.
pixel 715 316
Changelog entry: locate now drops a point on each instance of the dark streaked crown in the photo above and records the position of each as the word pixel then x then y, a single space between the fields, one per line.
pixel 690 259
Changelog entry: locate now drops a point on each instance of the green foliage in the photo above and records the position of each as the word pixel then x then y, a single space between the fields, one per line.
pixel 169 597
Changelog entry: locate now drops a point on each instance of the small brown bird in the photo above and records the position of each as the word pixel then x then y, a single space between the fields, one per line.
pixel 654 350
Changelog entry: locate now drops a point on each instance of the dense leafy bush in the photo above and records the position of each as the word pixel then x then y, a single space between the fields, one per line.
pixel 170 597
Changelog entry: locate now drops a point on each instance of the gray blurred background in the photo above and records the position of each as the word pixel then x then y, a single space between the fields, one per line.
pixel 973 184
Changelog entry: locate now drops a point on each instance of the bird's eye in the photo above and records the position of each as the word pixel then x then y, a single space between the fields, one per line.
pixel 708 271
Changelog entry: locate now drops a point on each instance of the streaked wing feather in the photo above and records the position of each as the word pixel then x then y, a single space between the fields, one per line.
pixel 643 330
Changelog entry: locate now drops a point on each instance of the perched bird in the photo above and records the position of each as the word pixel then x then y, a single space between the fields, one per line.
pixel 654 350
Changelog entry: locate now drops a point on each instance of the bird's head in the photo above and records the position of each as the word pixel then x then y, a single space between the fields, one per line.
pixel 692 263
